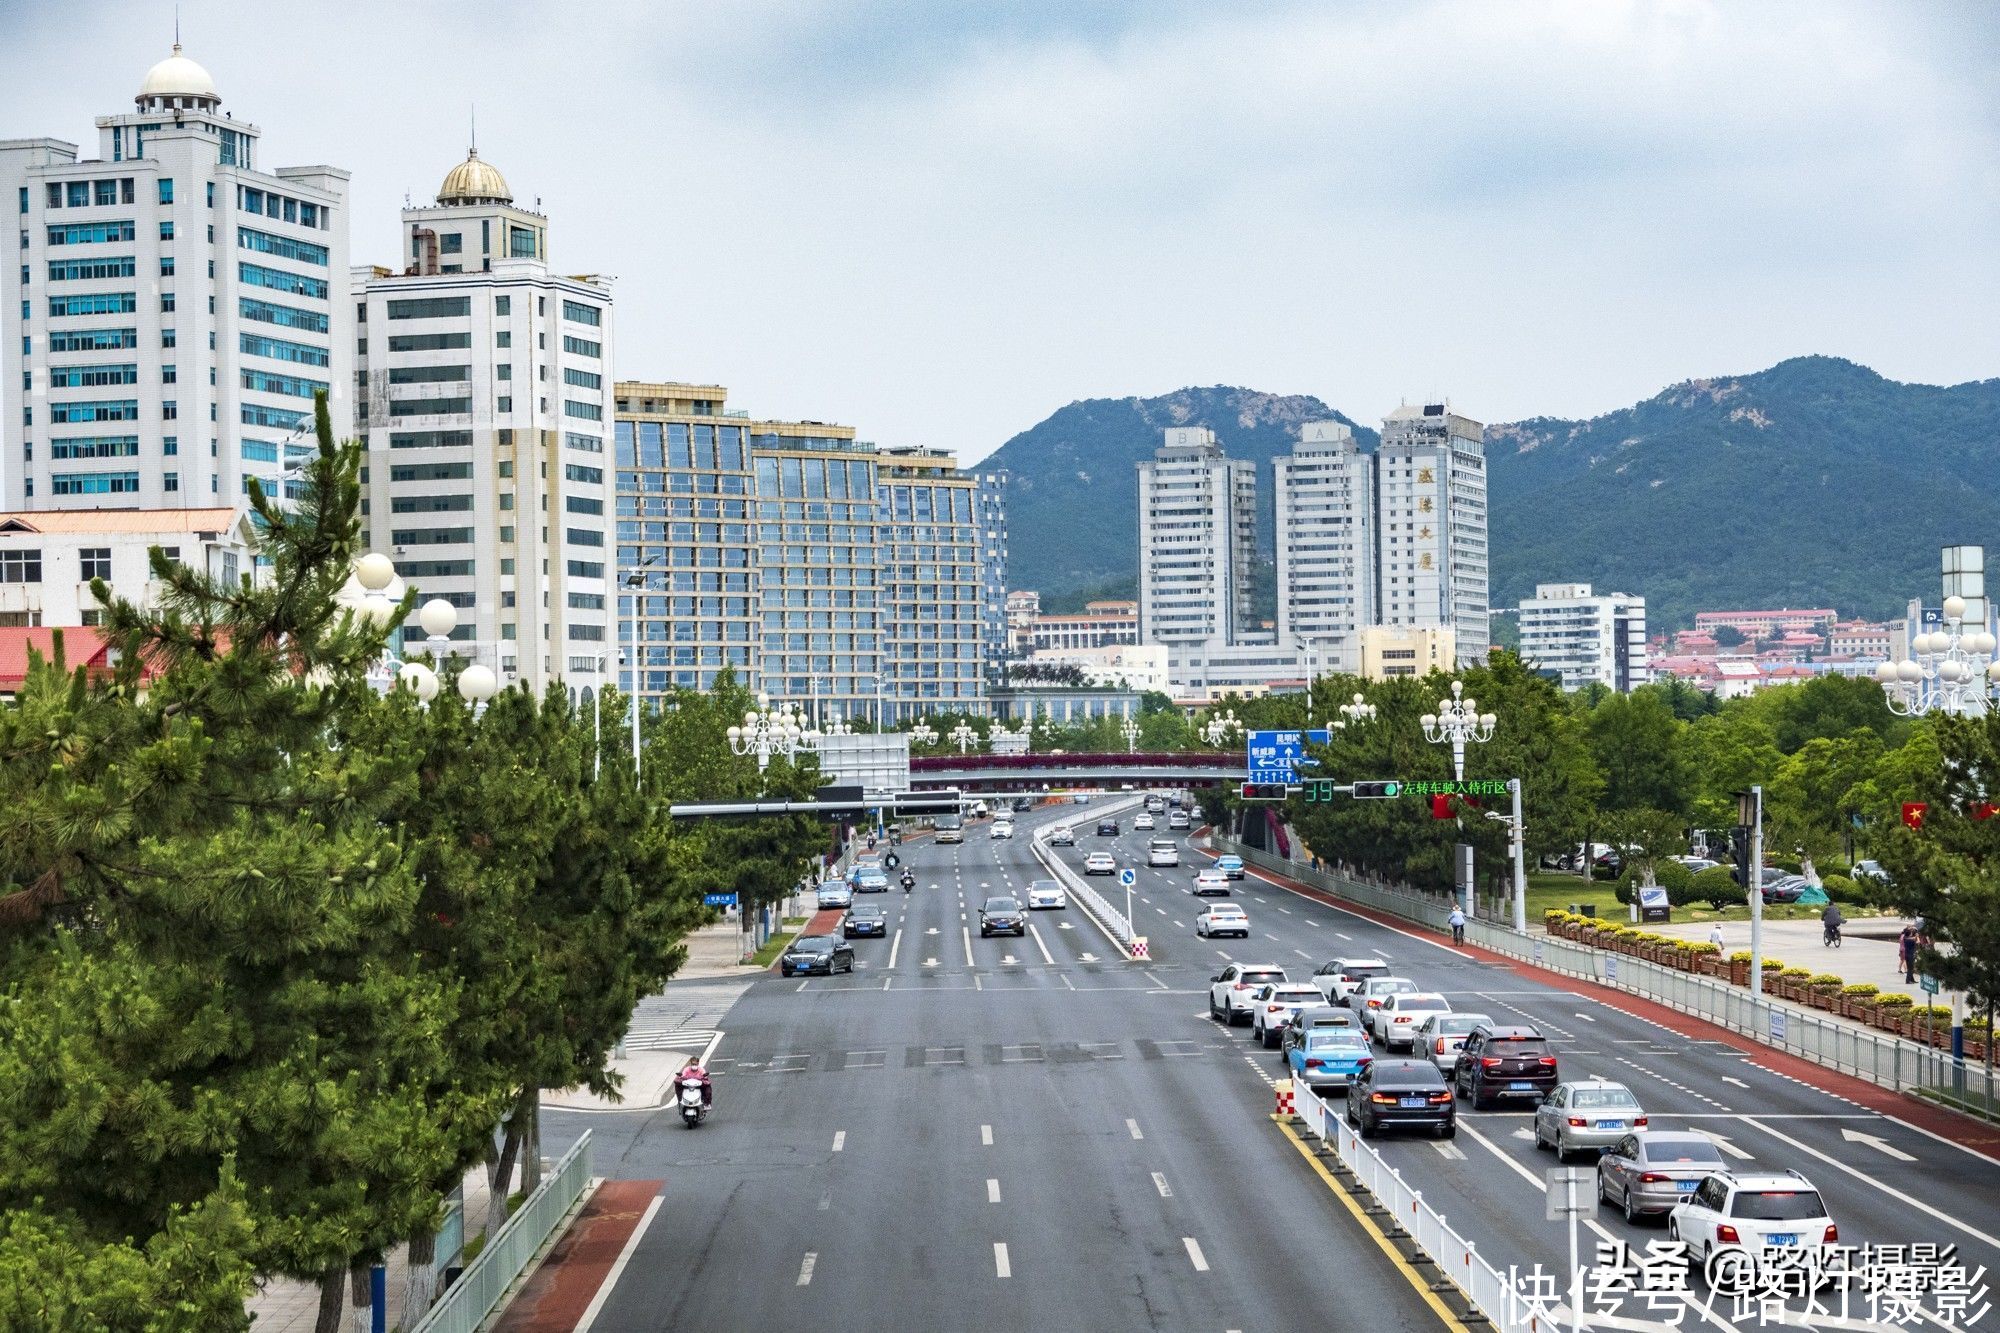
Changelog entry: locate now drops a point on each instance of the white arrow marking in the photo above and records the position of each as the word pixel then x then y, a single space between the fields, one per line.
pixel 1726 1146
pixel 1524 1133
pixel 1090 958
pixel 931 931
pixel 930 962
pixel 1879 1145
pixel 1737 1081
pixel 1586 1018
pixel 1008 958
pixel 1063 925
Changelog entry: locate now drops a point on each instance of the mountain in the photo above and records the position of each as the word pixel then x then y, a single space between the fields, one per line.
pixel 1815 483
pixel 1073 493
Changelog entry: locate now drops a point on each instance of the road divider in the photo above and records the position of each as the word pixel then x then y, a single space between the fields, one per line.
pixel 1082 892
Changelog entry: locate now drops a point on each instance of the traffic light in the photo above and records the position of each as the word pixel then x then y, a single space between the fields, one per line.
pixel 1739 851
pixel 1377 791
pixel 1263 791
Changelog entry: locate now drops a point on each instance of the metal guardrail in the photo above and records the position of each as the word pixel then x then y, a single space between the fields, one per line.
pixel 1082 889
pixel 467 1303
pixel 1428 910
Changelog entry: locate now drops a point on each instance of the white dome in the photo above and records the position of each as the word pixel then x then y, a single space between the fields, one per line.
pixel 177 76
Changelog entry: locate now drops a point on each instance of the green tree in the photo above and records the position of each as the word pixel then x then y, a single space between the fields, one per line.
pixel 1728 752
pixel 1824 785
pixel 1636 742
pixel 1826 706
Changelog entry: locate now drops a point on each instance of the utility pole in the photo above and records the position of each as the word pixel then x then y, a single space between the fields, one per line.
pixel 1518 830
pixel 1750 813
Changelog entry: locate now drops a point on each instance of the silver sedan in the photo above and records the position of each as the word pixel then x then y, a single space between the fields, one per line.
pixel 1590 1113
pixel 1655 1171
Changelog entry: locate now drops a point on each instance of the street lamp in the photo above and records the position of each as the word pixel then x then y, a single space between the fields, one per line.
pixel 767 731
pixel 1457 721
pixel 1355 712
pixel 1131 733
pixel 1220 727
pixel 839 726
pixel 964 734
pixel 1948 670
pixel 923 734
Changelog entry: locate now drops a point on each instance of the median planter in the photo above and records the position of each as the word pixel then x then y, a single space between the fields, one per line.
pixel 1739 969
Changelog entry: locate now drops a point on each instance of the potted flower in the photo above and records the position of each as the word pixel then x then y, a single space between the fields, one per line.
pixel 1978 1037
pixel 1890 1010
pixel 1774 972
pixel 1739 967
pixel 1858 1001
pixel 1796 981
pixel 1823 990
pixel 1707 959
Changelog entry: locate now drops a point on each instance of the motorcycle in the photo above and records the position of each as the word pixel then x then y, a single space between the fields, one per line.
pixel 909 882
pixel 694 1109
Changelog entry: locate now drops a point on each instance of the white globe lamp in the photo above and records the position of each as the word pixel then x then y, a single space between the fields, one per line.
pixel 438 617
pixel 477 683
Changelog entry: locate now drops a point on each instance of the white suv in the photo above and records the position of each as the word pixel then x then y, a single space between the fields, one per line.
pixel 1343 976
pixel 1749 1213
pixel 1163 852
pixel 1229 995
pixel 1273 1007
pixel 1396 1022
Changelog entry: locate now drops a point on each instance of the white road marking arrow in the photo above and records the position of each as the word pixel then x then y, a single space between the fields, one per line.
pixel 930 962
pixel 931 931
pixel 1524 1133
pixel 1064 925
pixel 1010 958
pixel 1726 1146
pixel 1737 1081
pixel 1090 958
pixel 1855 1136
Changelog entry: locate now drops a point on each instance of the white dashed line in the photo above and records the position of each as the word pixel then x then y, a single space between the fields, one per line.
pixel 839 1140
pixel 1195 1256
pixel 1160 1184
pixel 986 1135
pixel 1001 1267
pixel 806 1268
pixel 992 1190
pixel 1133 1126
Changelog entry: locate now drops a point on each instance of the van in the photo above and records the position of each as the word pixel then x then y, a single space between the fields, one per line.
pixel 950 828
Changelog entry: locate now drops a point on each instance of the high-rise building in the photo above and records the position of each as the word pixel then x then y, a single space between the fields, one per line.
pixel 685 543
pixel 1431 552
pixel 930 563
pixel 483 401
pixel 171 312
pixel 1197 541
pixel 1585 638
pixel 992 521
pixel 1325 506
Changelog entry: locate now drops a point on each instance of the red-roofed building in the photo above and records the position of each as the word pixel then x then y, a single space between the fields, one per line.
pixel 82 646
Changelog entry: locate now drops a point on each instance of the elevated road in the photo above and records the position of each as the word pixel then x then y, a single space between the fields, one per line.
pixel 1024 772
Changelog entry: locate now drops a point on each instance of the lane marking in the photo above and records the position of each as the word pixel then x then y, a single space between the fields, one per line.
pixel 1133 1126
pixel 992 1190
pixel 1896 1194
pixel 986 1135
pixel 1737 1081
pixel 590 1312
pixel 1879 1144
pixel 894 945
pixel 965 933
pixel 1160 1184
pixel 1585 1017
pixel 1195 1256
pixel 806 1268
pixel 1047 957
pixel 839 1139
pixel 1001 1267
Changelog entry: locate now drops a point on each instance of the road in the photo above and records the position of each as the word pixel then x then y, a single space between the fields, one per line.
pixel 1021 1133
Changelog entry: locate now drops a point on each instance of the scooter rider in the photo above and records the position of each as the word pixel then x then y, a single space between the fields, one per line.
pixel 909 880
pixel 692 1072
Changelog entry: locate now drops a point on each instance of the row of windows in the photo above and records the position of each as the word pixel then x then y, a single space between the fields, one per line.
pixel 94 446
pixel 296 284
pixel 583 347
pixel 431 472
pixel 429 342
pixel 121 410
pixel 431 307
pixel 429 407
pixel 278 349
pixel 294 386
pixel 284 316
pixel 430 439
pixel 429 374
pixel 94 483
pixel 590 476
pixel 77 270
pixel 273 205
pixel 98 303
pixel 583 411
pixel 284 247
pixel 92 340
pixel 583 379
pixel 579 313
pixel 92 377
pixel 93 233
pixel 95 194
pixel 706 447
pixel 275 418
pixel 589 444
pixel 430 504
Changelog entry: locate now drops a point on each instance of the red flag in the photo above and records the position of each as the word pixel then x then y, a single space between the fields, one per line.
pixel 1441 808
pixel 1913 813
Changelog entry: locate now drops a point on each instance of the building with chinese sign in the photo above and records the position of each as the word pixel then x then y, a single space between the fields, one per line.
pixel 1431 556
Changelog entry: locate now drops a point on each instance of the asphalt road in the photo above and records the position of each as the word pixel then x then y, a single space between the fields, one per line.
pixel 1008 1133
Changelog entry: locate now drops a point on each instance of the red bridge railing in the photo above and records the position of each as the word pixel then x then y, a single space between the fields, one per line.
pixel 1094 762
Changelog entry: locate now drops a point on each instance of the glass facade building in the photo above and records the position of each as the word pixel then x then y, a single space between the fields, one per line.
pixel 933 581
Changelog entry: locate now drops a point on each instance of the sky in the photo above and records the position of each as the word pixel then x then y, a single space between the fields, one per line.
pixel 941 222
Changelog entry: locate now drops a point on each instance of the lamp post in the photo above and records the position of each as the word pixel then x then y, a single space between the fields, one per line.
pixel 1949 670
pixel 1457 721
pixel 964 734
pixel 1130 731
pixel 838 726
pixel 1353 713
pixel 635 579
pixel 923 734
pixel 1220 727
pixel 767 731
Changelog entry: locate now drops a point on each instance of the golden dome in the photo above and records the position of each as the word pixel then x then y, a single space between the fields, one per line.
pixel 475 182
pixel 177 76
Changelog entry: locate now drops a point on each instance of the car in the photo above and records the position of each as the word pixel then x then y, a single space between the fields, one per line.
pixel 1230 989
pixel 1023 804
pixel 1210 882
pixel 1504 1062
pixel 1441 1036
pixel 1046 894
pixel 1695 864
pixel 1325 1059
pixel 1785 888
pixel 1107 828
pixel 1003 827
pixel 1100 863
pixel 979 809
pixel 1751 1212
pixel 1870 870
pixel 864 920
pixel 1142 823
pixel 1401 1094
pixel 1156 805
pixel 1652 1170
pixel 1396 1022
pixel 950 828
pixel 1326 1016
pixel 870 878
pixel 1219 919
pixel 1341 977
pixel 1232 866
pixel 1062 835
pixel 1272 1008
pixel 1163 852
pixel 1177 819
pixel 835 893
pixel 823 954
pixel 1371 994
pixel 1002 916
pixel 1588 1113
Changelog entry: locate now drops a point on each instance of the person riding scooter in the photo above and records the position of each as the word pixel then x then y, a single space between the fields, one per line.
pixel 909 881
pixel 1832 920
pixel 692 1074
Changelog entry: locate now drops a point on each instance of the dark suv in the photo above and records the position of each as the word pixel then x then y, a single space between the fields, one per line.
pixel 1107 828
pixel 1395 1094
pixel 822 954
pixel 1504 1063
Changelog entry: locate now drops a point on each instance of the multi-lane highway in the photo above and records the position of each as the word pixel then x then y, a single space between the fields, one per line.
pixel 1024 1133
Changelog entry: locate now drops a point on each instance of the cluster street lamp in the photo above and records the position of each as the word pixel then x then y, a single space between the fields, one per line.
pixel 1130 731
pixel 838 726
pixel 1221 727
pixel 1457 721
pixel 1948 671
pixel 964 734
pixel 1354 712
pixel 923 734
pixel 476 682
pixel 767 731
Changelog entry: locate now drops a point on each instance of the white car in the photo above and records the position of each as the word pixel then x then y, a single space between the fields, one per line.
pixel 1046 894
pixel 1229 990
pixel 1100 863
pixel 1373 991
pixel 1219 919
pixel 1142 822
pixel 1163 852
pixel 1276 1005
pixel 1442 1037
pixel 1062 835
pixel 1177 819
pixel 1397 1021
pixel 1210 881
pixel 979 809
pixel 1002 828
pixel 1343 976
pixel 1749 1213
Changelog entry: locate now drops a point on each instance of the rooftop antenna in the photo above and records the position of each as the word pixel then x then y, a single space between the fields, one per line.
pixel 475 129
pixel 177 26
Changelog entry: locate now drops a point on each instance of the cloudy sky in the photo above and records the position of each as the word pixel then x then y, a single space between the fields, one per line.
pixel 940 222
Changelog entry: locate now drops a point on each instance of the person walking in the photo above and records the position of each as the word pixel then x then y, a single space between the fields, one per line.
pixel 1715 936
pixel 1906 950
pixel 1457 925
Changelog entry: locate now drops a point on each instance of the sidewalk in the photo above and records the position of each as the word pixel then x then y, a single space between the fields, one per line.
pixel 1869 956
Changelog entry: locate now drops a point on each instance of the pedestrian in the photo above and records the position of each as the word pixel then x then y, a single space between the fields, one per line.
pixel 1715 936
pixel 1906 950
pixel 1315 861
pixel 1457 925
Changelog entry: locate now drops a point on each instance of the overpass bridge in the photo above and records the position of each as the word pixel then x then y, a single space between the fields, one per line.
pixel 1032 772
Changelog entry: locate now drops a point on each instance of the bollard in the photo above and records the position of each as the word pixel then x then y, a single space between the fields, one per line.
pixel 1139 947
pixel 1286 1103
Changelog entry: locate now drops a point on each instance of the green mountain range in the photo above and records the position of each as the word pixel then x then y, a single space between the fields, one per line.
pixel 1814 483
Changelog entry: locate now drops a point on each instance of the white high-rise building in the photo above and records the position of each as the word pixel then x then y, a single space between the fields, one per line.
pixel 485 400
pixel 1197 541
pixel 1586 638
pixel 171 311
pixel 1325 503
pixel 1431 553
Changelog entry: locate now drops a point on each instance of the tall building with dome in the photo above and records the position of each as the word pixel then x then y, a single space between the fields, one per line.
pixel 172 308
pixel 482 388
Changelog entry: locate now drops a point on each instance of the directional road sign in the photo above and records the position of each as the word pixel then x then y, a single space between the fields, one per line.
pixel 1128 877
pixel 1277 756
pixel 719 899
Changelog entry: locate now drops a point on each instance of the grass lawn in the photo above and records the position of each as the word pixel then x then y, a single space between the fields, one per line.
pixel 1549 890
pixel 774 946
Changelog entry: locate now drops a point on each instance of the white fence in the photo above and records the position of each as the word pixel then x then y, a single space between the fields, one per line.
pixel 1112 919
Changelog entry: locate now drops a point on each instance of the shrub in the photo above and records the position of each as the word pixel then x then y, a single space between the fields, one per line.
pixel 1775 965
pixel 1843 890
pixel 1937 1013
pixel 1741 956
pixel 1791 865
pixel 1714 885
pixel 1893 1001
pixel 1826 981
pixel 1704 947
pixel 1799 973
pixel 1860 990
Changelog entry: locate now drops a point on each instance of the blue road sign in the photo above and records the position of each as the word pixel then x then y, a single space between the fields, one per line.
pixel 1128 877
pixel 1277 756
pixel 719 899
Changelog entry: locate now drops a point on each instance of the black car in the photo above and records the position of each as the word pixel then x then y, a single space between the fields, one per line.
pixel 1401 1094
pixel 1023 804
pixel 1002 916
pixel 1107 828
pixel 864 921
pixel 1504 1063
pixel 816 954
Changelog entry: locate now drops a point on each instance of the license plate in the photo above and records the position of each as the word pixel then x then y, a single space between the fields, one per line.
pixel 1687 1186
pixel 1417 1102
pixel 1611 1124
pixel 1520 1087
pixel 1784 1238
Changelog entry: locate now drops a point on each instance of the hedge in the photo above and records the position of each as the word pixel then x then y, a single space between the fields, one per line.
pixel 1714 886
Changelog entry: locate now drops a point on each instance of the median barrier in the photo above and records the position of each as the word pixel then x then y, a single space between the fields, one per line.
pixel 1109 918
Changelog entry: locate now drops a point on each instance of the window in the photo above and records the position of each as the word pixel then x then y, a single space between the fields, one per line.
pixel 124 410
pixel 279 350
pixel 169 410
pixel 506 370
pixel 584 537
pixel 170 445
pixel 93 233
pixel 297 284
pixel 429 374
pixel 428 407
pixel 92 340
pixel 429 342
pixel 431 439
pixel 583 379
pixel 101 303
pixel 451 243
pixel 166 185
pixel 96 562
pixel 583 411
pixel 521 243
pixel 430 504
pixel 24 198
pixel 430 536
pixel 167 302
pixel 171 481
pixel 590 476
pixel 580 313
pixel 504 338
pixel 285 316
pixel 94 483
pixel 166 266
pixel 276 418
pixel 431 307
pixel 583 347
pixel 20 566
pixel 589 444
pixel 583 504
pixel 284 247
pixel 107 193
pixel 259 451
pixel 94 446
pixel 166 231
pixel 79 377
pixel 431 472
pixel 77 270
pixel 504 403
pixel 503 305
pixel 586 569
